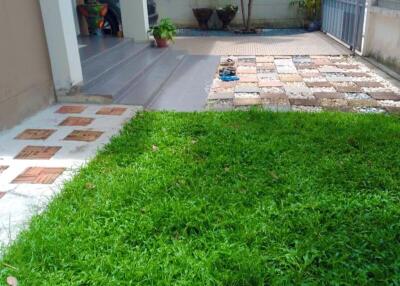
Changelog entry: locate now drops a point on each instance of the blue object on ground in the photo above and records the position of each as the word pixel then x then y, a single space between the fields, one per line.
pixel 229 78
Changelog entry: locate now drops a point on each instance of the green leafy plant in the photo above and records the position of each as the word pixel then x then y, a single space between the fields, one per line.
pixel 311 9
pixel 164 30
pixel 229 8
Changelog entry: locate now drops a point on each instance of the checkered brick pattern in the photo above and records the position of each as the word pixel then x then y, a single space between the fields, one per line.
pixel 304 83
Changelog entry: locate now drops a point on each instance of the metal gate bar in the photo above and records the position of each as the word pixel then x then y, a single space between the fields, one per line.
pixel 344 19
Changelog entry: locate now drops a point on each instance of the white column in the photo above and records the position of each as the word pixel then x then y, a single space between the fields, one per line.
pixel 75 13
pixel 62 43
pixel 135 21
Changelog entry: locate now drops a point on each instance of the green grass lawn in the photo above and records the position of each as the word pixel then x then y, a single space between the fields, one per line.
pixel 238 198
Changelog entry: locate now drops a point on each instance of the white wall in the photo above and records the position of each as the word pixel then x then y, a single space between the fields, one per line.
pixel 270 13
pixel 382 36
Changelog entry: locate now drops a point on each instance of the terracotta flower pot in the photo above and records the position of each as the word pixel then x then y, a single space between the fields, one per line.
pixel 203 15
pixel 161 43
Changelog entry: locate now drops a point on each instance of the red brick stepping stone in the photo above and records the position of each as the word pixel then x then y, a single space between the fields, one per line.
pixel 388 95
pixel 332 102
pixel 319 84
pixel 322 61
pixel 246 101
pixel 38 152
pixel 246 70
pixel 247 64
pixel 221 96
pixel 35 134
pixel 265 59
pixel 338 60
pixel 271 95
pixel 224 84
pixel 306 66
pixel 248 78
pixel 363 102
pixel 392 109
pixel 111 111
pixel 356 74
pixel 348 88
pixel 82 135
pixel 369 84
pixel 2 194
pixel 76 121
pixel 37 175
pixel 310 74
pixel 71 109
pixel 266 66
pixel 290 78
pixel 328 95
pixel 270 83
pixel 3 168
pixel 303 101
pixel 347 67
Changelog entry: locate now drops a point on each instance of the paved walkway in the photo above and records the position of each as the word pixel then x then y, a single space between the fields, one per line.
pixel 305 83
pixel 315 43
pixel 37 156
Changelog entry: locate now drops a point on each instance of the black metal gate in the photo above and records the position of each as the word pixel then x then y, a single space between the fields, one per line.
pixel 344 19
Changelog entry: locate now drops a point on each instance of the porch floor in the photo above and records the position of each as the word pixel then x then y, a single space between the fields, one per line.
pixel 299 42
pixel 90 46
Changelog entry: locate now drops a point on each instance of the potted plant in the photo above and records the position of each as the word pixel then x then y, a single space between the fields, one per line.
pixel 163 32
pixel 203 15
pixel 311 11
pixel 94 14
pixel 227 14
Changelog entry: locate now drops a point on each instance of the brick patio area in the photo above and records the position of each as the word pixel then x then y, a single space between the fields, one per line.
pixel 304 83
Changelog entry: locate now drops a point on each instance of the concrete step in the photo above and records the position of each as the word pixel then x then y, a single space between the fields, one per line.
pixel 188 87
pixel 100 66
pixel 92 47
pixel 114 82
pixel 147 86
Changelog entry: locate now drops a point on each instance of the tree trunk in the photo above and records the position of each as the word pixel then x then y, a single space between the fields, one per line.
pixel 249 14
pixel 243 13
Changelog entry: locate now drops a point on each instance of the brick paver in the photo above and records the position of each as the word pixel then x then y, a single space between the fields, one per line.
pixel 71 109
pixel 35 134
pixel 290 78
pixel 385 95
pixel 111 111
pixel 308 83
pixel 318 84
pixel 82 135
pixel 76 121
pixel 35 175
pixel 38 152
pixel 369 84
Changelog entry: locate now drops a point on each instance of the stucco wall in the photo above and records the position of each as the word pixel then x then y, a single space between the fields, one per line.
pixel 25 75
pixel 382 36
pixel 267 13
